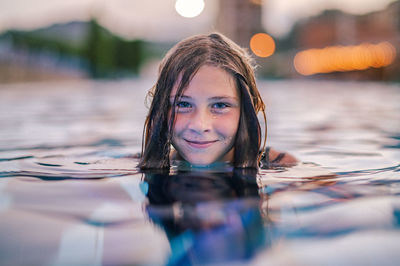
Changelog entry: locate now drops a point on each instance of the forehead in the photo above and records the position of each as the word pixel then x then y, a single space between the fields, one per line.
pixel 210 81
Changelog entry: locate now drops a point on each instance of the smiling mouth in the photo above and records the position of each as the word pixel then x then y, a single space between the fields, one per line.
pixel 200 144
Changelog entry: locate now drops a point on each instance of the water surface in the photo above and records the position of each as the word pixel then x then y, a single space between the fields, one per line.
pixel 70 193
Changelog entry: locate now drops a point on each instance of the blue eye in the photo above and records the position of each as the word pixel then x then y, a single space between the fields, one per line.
pixel 183 105
pixel 220 105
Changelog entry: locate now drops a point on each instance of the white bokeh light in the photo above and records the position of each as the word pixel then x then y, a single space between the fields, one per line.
pixel 189 8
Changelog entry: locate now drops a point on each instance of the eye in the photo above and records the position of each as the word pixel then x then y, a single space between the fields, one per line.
pixel 182 104
pixel 220 105
pixel 183 107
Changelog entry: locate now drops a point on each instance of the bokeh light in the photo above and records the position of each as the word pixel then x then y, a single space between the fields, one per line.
pixel 344 58
pixel 262 45
pixel 189 8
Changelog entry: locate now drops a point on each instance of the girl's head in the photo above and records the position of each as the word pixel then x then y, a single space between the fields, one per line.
pixel 205 104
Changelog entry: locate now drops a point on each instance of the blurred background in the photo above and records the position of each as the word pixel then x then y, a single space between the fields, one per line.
pixel 309 39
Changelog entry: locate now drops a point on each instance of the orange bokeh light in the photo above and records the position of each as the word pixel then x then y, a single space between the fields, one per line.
pixel 262 45
pixel 344 58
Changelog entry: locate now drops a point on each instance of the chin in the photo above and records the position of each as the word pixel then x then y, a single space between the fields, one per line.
pixel 200 161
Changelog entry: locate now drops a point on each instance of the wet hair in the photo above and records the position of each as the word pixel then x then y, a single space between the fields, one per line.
pixel 178 68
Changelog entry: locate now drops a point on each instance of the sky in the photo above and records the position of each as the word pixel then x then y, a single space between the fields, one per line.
pixel 158 20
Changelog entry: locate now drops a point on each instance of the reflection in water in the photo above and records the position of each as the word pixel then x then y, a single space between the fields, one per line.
pixel 208 217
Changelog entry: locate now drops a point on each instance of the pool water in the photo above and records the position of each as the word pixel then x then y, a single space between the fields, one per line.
pixel 70 193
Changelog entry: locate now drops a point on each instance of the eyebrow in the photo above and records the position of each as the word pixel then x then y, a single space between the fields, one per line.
pixel 212 98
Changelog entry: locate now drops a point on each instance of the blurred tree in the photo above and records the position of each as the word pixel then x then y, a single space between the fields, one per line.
pixel 104 55
pixel 99 50
pixel 109 55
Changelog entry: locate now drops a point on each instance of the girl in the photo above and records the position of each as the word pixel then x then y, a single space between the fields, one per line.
pixel 205 105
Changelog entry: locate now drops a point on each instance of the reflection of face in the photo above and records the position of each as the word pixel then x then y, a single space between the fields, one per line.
pixel 194 187
pixel 207 117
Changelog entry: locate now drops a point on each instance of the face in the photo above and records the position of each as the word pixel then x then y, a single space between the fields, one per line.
pixel 207 118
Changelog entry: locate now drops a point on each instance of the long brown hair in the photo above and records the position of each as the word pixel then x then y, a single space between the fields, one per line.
pixel 180 65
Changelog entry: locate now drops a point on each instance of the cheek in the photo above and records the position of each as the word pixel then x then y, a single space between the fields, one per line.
pixel 228 125
pixel 180 123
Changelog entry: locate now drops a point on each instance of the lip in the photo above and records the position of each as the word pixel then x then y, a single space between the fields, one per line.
pixel 200 144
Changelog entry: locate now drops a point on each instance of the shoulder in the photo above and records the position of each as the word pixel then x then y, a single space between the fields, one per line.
pixel 274 158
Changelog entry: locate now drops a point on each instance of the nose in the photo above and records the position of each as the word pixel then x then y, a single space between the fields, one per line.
pixel 200 121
